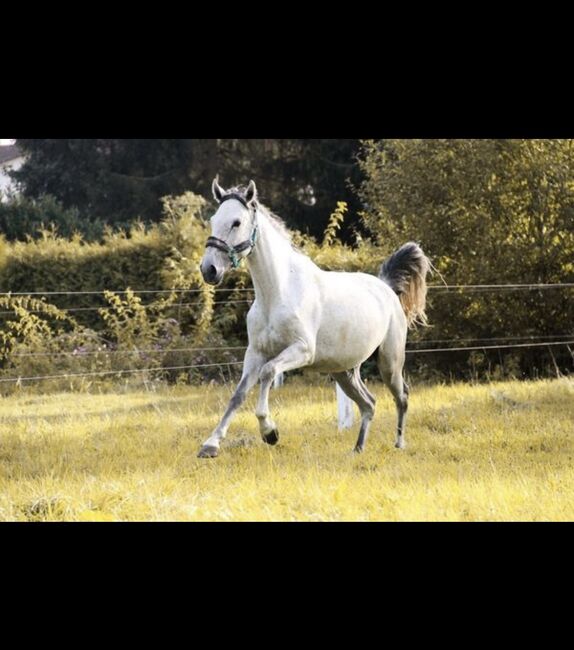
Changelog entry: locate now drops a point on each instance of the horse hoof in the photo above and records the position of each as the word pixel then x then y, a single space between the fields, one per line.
pixel 271 438
pixel 208 452
pixel 400 444
pixel 358 450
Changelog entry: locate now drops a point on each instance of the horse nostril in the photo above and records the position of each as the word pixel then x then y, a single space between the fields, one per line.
pixel 210 273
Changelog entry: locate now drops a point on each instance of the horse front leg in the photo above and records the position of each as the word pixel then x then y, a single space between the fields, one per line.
pixel 251 368
pixel 295 356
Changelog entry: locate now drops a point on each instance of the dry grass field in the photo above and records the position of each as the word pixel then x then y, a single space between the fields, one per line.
pixel 475 453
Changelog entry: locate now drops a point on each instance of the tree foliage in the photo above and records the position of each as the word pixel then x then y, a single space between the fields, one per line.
pixel 487 212
pixel 118 181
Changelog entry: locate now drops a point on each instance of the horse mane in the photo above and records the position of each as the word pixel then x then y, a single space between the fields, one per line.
pixel 278 223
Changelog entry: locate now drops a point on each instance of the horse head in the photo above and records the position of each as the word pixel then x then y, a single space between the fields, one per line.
pixel 233 231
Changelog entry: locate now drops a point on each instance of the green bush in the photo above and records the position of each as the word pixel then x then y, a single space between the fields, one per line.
pixel 116 328
pixel 22 219
pixel 161 257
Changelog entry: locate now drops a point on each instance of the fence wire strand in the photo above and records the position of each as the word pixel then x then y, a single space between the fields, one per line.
pixel 490 347
pixel 71 310
pixel 240 363
pixel 432 287
pixel 120 372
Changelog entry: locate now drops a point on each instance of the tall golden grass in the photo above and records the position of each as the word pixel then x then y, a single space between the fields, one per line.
pixel 481 453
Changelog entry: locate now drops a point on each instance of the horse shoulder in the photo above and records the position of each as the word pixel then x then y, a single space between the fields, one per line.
pixel 254 319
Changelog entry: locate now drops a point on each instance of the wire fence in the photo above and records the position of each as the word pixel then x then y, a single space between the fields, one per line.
pixel 470 339
pixel 144 351
pixel 118 372
pixel 71 310
pixel 118 291
pixel 224 364
pixel 510 342
pixel 490 347
pixel 502 287
pixel 436 287
pixel 77 352
pixel 431 287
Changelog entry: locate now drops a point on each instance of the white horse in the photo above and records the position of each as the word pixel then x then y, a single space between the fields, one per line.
pixel 303 316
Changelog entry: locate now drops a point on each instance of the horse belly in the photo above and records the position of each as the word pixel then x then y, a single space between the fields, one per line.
pixel 349 335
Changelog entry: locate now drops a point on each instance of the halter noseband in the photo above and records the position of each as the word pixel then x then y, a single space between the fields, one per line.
pixel 232 251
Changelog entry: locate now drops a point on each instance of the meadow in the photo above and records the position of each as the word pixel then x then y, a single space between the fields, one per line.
pixel 484 452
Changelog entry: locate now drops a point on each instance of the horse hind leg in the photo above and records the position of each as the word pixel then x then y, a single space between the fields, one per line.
pixel 392 374
pixel 402 402
pixel 353 386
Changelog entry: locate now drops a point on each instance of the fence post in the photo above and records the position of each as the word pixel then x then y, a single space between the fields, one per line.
pixel 345 409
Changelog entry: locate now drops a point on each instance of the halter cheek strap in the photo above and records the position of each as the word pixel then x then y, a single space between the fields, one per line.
pixel 233 251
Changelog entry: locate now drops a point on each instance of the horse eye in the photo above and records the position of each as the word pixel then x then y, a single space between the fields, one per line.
pixel 236 224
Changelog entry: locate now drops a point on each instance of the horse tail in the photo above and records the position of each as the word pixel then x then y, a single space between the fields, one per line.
pixel 405 271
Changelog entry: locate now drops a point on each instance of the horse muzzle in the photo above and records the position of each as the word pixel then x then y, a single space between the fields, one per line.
pixel 211 274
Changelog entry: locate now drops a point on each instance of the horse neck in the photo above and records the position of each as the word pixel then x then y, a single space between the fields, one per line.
pixel 269 263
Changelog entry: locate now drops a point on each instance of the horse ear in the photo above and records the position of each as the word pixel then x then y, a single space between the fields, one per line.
pixel 218 191
pixel 251 194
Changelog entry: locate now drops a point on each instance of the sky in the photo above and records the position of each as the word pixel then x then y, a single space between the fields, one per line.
pixel 5 143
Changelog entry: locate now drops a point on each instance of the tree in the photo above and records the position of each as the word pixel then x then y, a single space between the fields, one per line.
pixel 487 212
pixel 118 181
